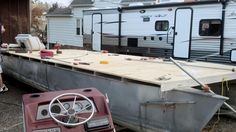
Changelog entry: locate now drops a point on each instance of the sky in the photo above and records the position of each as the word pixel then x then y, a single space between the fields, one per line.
pixel 61 2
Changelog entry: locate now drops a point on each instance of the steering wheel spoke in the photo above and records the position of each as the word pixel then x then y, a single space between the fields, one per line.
pixel 62 105
pixel 64 112
pixel 74 102
pixel 69 119
pixel 90 105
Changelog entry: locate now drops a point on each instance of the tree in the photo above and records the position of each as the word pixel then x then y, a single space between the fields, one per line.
pixel 38 24
pixel 54 6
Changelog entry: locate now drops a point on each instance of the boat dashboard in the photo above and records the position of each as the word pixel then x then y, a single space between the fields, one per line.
pixel 78 110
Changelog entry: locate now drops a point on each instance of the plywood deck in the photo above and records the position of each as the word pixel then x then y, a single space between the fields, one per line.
pixel 153 71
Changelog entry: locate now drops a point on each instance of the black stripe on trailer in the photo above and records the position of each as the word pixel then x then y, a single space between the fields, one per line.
pixel 120 24
pixel 224 4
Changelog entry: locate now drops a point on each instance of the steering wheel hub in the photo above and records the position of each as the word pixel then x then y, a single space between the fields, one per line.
pixel 71 112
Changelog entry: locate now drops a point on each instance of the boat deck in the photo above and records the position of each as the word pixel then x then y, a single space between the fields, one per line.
pixel 154 71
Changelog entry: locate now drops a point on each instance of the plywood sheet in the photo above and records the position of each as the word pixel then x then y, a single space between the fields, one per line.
pixel 144 69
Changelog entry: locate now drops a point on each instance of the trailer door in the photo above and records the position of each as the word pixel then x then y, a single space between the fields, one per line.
pixel 97 32
pixel 183 33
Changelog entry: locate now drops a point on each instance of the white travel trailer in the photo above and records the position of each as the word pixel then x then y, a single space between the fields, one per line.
pixel 203 30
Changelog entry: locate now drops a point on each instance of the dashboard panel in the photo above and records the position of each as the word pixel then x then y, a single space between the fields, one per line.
pixel 43 112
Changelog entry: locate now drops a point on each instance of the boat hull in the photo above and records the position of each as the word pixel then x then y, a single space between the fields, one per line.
pixel 137 105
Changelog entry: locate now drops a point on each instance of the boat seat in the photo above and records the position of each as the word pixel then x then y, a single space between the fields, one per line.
pixel 29 42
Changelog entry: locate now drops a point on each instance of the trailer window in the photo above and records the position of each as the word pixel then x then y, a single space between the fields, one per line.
pixel 210 28
pixel 162 25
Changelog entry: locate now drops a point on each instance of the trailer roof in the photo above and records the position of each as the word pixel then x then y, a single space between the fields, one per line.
pixel 159 5
pixel 173 4
pixel 152 71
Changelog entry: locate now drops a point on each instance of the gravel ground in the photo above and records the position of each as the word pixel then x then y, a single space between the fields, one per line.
pixel 11 118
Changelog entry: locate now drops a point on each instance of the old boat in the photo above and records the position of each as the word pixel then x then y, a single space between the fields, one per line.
pixel 145 94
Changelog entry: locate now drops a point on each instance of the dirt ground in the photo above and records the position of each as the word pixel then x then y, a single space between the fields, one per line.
pixel 222 124
pixel 11 117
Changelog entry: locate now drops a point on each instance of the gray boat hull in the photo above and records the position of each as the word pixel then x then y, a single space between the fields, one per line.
pixel 137 105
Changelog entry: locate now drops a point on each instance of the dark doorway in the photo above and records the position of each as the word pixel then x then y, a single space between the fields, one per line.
pixel 132 42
